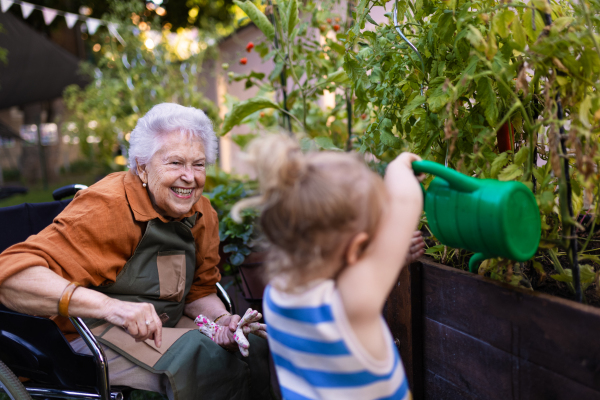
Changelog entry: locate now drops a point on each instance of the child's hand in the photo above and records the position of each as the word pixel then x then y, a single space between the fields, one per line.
pixel 417 248
pixel 400 177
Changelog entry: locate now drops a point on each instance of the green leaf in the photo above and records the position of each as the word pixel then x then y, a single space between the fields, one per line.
pixel 292 15
pixel 371 20
pixel 502 20
pixel 435 249
pixel 386 135
pixel 410 107
pixel 236 259
pixel 521 155
pixel 487 99
pixel 230 248
pixel 476 38
pixel 519 34
pixel 511 172
pixel 338 76
pixel 543 6
pixel 498 163
pixel 539 268
pixel 586 271
pixel 547 201
pixel 244 108
pixel 446 27
pixel 326 143
pixel 438 99
pixel 566 276
pixel 561 23
pixel 259 19
pixel 584 111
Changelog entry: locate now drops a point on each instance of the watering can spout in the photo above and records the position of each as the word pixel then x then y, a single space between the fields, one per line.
pixel 485 216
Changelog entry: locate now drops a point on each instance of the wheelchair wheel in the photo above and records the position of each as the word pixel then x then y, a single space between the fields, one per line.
pixel 11 384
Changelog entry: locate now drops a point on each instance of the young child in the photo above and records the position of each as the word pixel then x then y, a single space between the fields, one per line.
pixel 338 237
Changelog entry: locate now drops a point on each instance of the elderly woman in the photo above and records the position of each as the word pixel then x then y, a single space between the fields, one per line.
pixel 143 246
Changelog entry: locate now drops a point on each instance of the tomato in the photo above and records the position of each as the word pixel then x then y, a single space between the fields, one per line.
pixel 364 116
pixel 249 47
pixel 243 60
pixel 336 27
pixel 328 20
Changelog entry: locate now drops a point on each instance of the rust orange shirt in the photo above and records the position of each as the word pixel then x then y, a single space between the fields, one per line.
pixel 95 235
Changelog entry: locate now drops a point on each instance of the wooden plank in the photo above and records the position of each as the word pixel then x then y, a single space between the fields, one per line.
pixel 404 315
pixel 459 366
pixel 556 334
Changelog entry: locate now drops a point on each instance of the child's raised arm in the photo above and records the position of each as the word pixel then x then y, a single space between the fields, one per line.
pixel 366 283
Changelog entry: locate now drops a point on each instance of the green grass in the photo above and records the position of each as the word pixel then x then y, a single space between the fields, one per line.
pixel 37 194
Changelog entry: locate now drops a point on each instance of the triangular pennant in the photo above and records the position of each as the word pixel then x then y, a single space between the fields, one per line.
pixel 6 4
pixel 26 9
pixel 92 25
pixel 112 28
pixel 71 19
pixel 49 15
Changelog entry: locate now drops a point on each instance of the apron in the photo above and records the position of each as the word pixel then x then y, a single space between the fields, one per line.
pixel 161 272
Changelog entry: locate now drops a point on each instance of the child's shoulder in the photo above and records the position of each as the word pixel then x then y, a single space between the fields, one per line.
pixel 311 294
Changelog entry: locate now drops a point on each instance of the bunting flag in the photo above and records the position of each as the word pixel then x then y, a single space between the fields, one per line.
pixel 26 9
pixel 92 25
pixel 112 28
pixel 6 4
pixel 49 15
pixel 71 19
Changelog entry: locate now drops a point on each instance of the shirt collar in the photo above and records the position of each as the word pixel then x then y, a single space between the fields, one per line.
pixel 141 205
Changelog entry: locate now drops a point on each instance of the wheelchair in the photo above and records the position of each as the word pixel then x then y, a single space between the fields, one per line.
pixel 33 347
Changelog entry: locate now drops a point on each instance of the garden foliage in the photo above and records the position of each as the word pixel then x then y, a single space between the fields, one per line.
pixel 491 73
pixel 491 67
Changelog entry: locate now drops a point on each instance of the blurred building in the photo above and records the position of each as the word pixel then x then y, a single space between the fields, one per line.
pixel 31 86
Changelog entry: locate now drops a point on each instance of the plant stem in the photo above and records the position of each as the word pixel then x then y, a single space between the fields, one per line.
pixel 568 226
pixel 559 268
pixel 282 74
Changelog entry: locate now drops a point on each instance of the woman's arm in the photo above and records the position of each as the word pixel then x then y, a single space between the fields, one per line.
pixel 212 307
pixel 37 291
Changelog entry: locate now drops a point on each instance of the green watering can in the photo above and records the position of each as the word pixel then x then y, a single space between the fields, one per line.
pixel 486 216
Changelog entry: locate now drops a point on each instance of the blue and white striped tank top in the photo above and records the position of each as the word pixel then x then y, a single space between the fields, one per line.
pixel 317 355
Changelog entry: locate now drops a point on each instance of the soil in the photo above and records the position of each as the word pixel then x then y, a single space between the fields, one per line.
pixel 546 284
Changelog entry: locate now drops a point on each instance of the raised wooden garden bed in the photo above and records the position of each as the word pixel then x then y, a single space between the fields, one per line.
pixel 463 336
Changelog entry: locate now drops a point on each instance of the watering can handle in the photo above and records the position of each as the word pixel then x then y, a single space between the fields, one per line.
pixel 455 179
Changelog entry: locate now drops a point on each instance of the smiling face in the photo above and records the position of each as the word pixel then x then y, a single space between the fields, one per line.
pixel 175 174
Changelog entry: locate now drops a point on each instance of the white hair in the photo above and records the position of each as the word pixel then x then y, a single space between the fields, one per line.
pixel 166 118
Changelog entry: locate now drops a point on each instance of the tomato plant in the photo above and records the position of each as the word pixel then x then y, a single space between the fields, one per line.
pixel 307 60
pixel 533 66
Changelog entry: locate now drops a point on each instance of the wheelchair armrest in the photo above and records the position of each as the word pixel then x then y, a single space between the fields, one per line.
pixel 67 191
pixel 99 357
pixel 222 294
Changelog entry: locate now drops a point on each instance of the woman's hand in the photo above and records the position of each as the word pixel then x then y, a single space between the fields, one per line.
pixel 224 336
pixel 138 319
pixel 416 249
